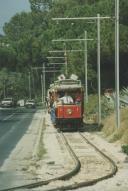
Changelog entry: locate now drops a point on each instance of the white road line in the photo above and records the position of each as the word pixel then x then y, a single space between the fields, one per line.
pixel 8 117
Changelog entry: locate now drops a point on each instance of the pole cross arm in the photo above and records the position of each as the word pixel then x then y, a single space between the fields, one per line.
pixel 53 71
pixel 66 40
pixel 54 57
pixel 56 51
pixel 35 68
pixel 57 63
pixel 81 18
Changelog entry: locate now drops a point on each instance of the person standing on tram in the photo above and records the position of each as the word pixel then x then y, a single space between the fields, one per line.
pixel 78 98
pixel 54 103
pixel 67 99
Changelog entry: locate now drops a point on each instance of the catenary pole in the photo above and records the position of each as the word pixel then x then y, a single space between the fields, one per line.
pixel 66 60
pixel 29 79
pixel 86 72
pixel 42 92
pixel 44 82
pixel 117 63
pixel 98 69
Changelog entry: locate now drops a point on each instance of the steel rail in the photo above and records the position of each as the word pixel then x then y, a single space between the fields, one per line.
pixel 114 166
pixel 94 181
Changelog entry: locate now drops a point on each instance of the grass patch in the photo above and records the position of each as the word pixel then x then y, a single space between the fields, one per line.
pixel 91 106
pixel 111 131
pixel 125 149
pixel 41 151
pixel 41 148
pixel 124 138
pixel 109 126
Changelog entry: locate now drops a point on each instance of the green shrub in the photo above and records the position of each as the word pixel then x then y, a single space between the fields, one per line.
pixel 125 149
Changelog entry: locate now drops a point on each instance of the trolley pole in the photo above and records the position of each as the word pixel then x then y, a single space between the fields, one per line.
pixel 86 72
pixel 98 69
pixel 117 63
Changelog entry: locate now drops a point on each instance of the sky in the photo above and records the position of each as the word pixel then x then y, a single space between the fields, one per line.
pixel 9 8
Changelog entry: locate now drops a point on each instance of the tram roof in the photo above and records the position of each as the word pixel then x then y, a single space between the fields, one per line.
pixel 66 84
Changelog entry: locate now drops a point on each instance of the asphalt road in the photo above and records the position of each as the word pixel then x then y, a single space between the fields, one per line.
pixel 13 125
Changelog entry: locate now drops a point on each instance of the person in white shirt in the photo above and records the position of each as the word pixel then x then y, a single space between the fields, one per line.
pixel 66 99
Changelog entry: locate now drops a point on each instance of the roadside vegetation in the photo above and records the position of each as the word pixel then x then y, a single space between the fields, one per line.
pixel 91 108
pixel 109 129
pixel 113 134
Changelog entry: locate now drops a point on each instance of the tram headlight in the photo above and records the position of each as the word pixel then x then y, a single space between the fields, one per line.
pixel 69 111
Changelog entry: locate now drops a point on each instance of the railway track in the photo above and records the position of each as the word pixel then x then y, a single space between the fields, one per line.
pixel 95 165
pixel 90 166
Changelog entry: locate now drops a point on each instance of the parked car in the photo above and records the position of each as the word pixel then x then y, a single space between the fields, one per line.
pixel 7 102
pixel 30 104
pixel 21 103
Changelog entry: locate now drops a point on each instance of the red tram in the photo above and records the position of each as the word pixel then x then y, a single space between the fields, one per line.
pixel 67 110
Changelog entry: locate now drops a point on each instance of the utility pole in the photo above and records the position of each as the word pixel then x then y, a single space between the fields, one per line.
pixel 44 81
pixel 66 60
pixel 33 84
pixel 117 63
pixel 42 92
pixel 85 67
pixel 98 68
pixel 29 79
